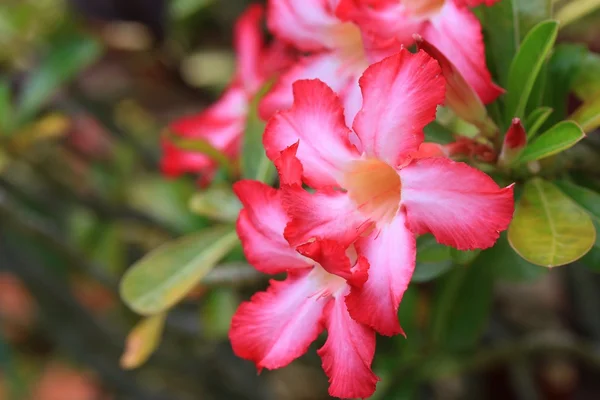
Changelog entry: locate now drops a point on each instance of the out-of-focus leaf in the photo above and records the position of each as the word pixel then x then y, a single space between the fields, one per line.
pixel 217 202
pixel 592 258
pixel 575 9
pixel 508 265
pixel 535 120
pixel 588 114
pixel 165 275
pixel 557 139
pixel 548 228
pixel 502 39
pixel 587 81
pixel 68 56
pixel 435 132
pixel 584 197
pixel 530 13
pixel 562 69
pixel 526 66
pixel 181 9
pixel 463 257
pixel 255 164
pixel 5 108
pixel 141 342
pixel 216 313
pixel 462 306
pixel 433 259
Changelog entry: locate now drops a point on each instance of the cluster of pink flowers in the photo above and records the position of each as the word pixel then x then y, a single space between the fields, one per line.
pixel 345 118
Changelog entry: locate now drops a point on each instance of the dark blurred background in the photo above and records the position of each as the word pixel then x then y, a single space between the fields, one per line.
pixel 81 198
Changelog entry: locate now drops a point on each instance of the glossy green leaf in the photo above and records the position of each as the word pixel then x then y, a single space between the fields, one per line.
pixel 557 139
pixel 535 120
pixel 526 66
pixel 508 265
pixel 217 202
pixel 67 57
pixel 165 275
pixel 502 39
pixel 588 115
pixel 433 259
pixel 255 164
pixel 462 306
pixel 142 341
pixel 548 228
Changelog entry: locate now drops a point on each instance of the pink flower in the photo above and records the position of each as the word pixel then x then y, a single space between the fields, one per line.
pixel 337 52
pixel 277 326
pixel 448 24
pixel 223 123
pixel 371 190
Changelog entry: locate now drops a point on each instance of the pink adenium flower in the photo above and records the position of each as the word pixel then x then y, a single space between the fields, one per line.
pixel 373 188
pixel 448 24
pixel 336 51
pixel 223 123
pixel 277 326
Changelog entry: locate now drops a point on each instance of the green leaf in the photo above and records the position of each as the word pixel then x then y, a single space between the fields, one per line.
pixel 508 265
pixel 255 164
pixel 68 56
pixel 557 139
pixel 530 13
pixel 142 341
pixel 563 68
pixel 437 133
pixel 584 197
pixel 576 9
pixel 592 258
pixel 548 228
pixel 5 108
pixel 588 114
pixel 502 38
pixel 433 259
pixel 463 257
pixel 587 81
pixel 217 311
pixel 165 275
pixel 217 202
pixel 462 306
pixel 526 66
pixel 535 120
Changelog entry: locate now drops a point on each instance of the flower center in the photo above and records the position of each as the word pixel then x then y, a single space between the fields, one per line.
pixel 374 187
pixel 423 8
pixel 327 284
pixel 349 44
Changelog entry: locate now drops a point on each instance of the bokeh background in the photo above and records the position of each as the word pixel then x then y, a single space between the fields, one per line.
pixel 86 87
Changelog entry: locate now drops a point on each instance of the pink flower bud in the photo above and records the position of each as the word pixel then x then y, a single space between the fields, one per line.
pixel 514 142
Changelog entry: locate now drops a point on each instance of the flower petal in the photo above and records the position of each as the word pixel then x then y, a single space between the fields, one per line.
pixel 327 67
pixel 332 256
pixel 248 42
pixel 260 228
pixel 221 125
pixel 456 32
pixel 289 167
pixel 475 3
pixel 348 353
pixel 326 214
pixel 317 121
pixel 308 24
pixel 391 253
pixel 460 205
pixel 400 96
pixel 277 326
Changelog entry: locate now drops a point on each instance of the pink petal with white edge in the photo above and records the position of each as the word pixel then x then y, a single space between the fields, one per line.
pixel 391 253
pixel 348 353
pixel 460 205
pixel 326 214
pixel 456 32
pixel 327 67
pixel 400 96
pixel 277 326
pixel 289 167
pixel 317 121
pixel 307 24
pixel 221 125
pixel 260 227
pixel 248 42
